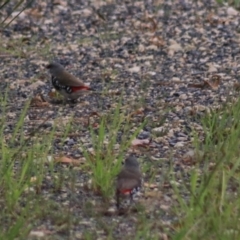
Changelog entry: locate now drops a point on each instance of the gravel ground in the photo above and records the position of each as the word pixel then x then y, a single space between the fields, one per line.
pixel 166 59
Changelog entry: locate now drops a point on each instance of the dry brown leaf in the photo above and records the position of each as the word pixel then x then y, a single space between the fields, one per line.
pixel 166 185
pixel 148 23
pixel 212 19
pixel 197 85
pixel 67 160
pixel 154 24
pixel 100 15
pixel 34 12
pixel 150 185
pixel 214 82
pixel 94 114
pixel 236 86
pixel 94 124
pixel 157 41
pixel 52 94
pixel 145 26
pixel 139 111
pixel 38 101
pixel 188 160
pixel 191 157
pixel 216 20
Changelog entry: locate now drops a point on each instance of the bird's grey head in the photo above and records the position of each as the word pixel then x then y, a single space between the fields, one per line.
pixel 131 162
pixel 54 68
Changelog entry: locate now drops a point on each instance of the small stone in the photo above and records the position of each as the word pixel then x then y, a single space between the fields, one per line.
pixel 183 96
pixel 111 210
pixel 158 129
pixel 179 144
pixel 143 135
pixel 135 69
pixel 37 234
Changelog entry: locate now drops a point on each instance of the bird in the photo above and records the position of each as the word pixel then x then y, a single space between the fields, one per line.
pixel 65 83
pixel 129 179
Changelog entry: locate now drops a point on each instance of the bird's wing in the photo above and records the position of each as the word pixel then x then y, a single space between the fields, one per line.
pixel 72 81
pixel 128 180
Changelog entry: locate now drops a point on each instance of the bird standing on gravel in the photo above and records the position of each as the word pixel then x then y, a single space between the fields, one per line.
pixel 65 83
pixel 128 180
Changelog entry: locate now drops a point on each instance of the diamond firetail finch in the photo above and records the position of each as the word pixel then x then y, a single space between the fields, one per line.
pixel 64 82
pixel 128 180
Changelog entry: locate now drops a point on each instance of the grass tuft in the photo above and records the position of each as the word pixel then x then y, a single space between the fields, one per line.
pixel 109 144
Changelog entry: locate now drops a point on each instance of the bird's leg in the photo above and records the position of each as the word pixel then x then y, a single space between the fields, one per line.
pixel 73 101
pixel 131 198
pixel 117 199
pixel 64 101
